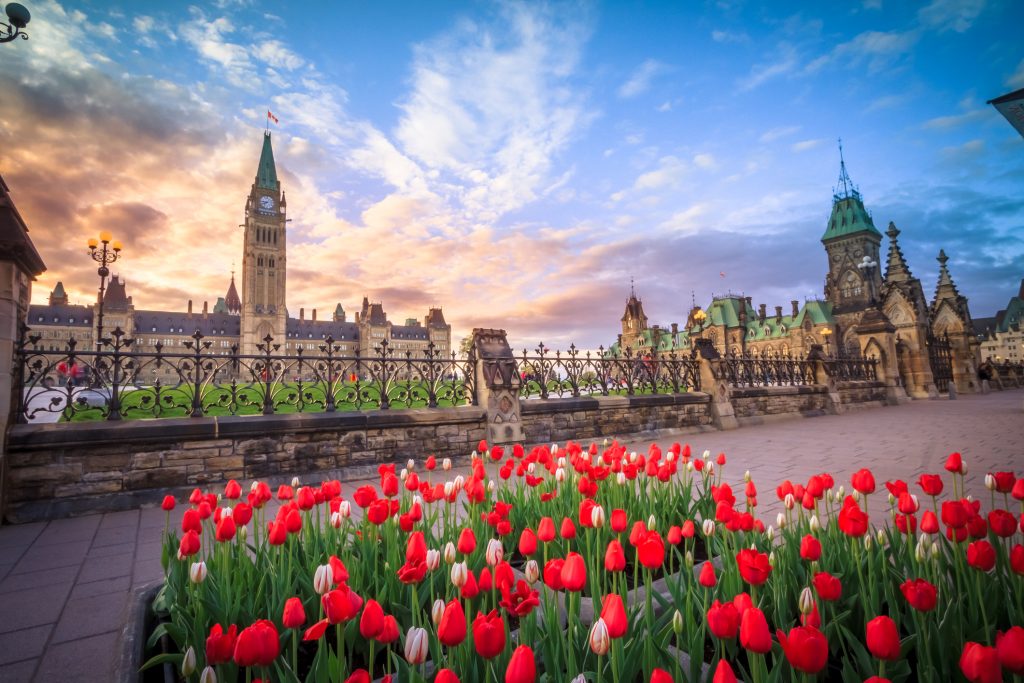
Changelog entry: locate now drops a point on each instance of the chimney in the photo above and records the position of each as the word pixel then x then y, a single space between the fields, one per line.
pixel 206 308
pixel 778 314
pixel 357 317
pixel 761 312
pixel 314 315
pixel 748 300
pixel 675 329
pixel 796 307
pixel 302 314
pixel 190 308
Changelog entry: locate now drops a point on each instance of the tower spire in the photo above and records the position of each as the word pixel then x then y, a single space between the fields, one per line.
pixel 896 269
pixel 845 187
pixel 266 172
pixel 632 290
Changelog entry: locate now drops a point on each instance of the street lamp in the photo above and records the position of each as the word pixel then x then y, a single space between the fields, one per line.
pixel 700 316
pixel 103 255
pixel 19 18
pixel 827 334
pixel 867 266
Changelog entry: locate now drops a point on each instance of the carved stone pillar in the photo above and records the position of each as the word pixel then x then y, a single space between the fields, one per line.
pixel 497 386
pixel 712 381
pixel 877 337
pixel 821 377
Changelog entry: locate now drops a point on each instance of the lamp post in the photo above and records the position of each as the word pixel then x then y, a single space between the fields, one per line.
pixel 827 334
pixel 103 252
pixel 18 17
pixel 867 266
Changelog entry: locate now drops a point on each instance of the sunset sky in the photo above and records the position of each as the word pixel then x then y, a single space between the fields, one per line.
pixel 516 163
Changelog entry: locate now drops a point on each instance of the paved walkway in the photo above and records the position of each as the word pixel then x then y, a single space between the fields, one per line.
pixel 65 585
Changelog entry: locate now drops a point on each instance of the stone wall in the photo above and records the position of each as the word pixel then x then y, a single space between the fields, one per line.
pixel 861 394
pixel 58 470
pixel 754 405
pixel 560 419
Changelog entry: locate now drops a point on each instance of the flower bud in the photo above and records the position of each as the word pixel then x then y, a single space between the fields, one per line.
pixel 597 517
pixel 532 571
pixel 490 486
pixel 416 645
pixel 920 554
pixel 243 532
pixel 806 601
pixel 323 579
pixel 208 675
pixel 254 486
pixel 605 442
pixel 935 552
pixel 689 466
pixel 495 552
pixel 437 611
pixel 417 500
pixel 579 679
pixel 706 454
pixel 771 558
pixel 600 642
pixel 868 541
pixel 225 511
pixel 677 622
pixel 780 520
pixel 746 476
pixel 295 482
pixel 840 493
pixel 651 522
pixel 188 662
pixel 770 533
pixel 881 537
pixel 335 519
pixel 410 465
pixel 963 468
pixel 620 478
pixel 458 574
pixel 789 501
pixel 856 495
pixel 345 509
pixel 473 455
pixel 459 481
pixel 446 464
pixel 709 469
pixel 708 527
pixel 688 560
pixel 560 475
pixel 671 457
pixel 433 559
pixel 197 573
pixel 633 457
pixel 449 489
pixel 531 468
pixel 990 482
pixel 815 524
pixel 404 474
pixel 449 553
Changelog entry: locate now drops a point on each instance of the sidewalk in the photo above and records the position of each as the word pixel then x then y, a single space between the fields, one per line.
pixel 65 585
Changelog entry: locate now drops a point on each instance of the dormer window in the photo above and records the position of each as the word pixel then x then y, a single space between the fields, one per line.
pixel 71 320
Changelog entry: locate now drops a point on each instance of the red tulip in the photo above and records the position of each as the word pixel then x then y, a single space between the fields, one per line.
pixel 189 544
pixel 277 533
pixel 1017 559
pixel 742 602
pixel 489 634
pixel 1018 489
pixel 723 673
pixel 358 676
pixel 568 529
pixel 553 574
pixel 981 555
pixel 378 511
pixel 339 574
pixel 955 514
pixel 1010 647
pixel 412 572
pixel 1002 523
pixel 723 620
pixel 341 604
pixel 431 463
pixel 614 557
pixel 574 572
pixel 446 676
pixel 451 630
pixel 651 550
pixel 929 522
pixel 372 621
pixel 521 667
pixel 471 588
pixel 883 638
pixel 619 521
pixel 294 613
pixel 226 529
pixel 389 633
pixel 546 529
pixel 754 633
pixel 980 664
pixel 688 529
pixel 220 646
pixel 527 542
pixel 931 484
pixel 863 481
pixel 467 541
pixel 389 484
pixel 257 645
pixel 364 495
pixel 1004 481
pixel 852 520
pixel 954 463
pixel 660 675
pixel 921 595
pixel 810 548
pixel 805 648
pixel 168 503
pixel 753 565
pixel 614 614
pixel 707 575
pixel 190 521
pixel 316 631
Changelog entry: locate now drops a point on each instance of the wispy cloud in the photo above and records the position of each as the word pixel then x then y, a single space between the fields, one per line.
pixel 720 36
pixel 761 73
pixel 778 132
pixel 805 145
pixel 878 50
pixel 1016 79
pixel 640 80
pixel 951 15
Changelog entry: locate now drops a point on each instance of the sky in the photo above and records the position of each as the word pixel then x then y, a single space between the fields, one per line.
pixel 516 163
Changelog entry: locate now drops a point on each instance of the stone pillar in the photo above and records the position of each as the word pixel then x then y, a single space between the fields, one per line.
pixel 821 377
pixel 497 386
pixel 722 412
pixel 877 337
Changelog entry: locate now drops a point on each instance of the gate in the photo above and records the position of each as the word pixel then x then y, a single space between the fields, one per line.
pixel 940 358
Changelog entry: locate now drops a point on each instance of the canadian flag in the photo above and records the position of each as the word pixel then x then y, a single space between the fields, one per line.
pixel 270 115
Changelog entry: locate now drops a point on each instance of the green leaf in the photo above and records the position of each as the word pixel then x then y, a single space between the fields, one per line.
pixel 170 657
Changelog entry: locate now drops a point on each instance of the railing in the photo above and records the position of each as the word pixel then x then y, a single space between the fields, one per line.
pixel 852 369
pixel 545 374
pixel 753 369
pixel 118 381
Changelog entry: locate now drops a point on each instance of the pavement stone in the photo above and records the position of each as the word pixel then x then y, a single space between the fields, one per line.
pixel 37 558
pixel 19 672
pixel 26 643
pixel 87 659
pixel 110 567
pixel 38 578
pixel 89 616
pixel 120 584
pixel 32 607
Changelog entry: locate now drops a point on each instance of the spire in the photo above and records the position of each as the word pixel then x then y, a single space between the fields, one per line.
pixel 845 186
pixel 232 301
pixel 58 297
pixel 946 285
pixel 339 314
pixel 266 174
pixel 896 270
pixel 849 216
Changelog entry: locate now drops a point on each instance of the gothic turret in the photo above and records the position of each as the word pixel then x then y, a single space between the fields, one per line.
pixel 58 297
pixel 896 269
pixel 232 302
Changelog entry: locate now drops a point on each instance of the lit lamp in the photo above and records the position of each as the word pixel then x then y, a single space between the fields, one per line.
pixel 867 266
pixel 104 252
pixel 827 334
pixel 700 316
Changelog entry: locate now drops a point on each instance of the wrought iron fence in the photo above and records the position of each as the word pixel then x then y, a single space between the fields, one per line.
pixel 118 381
pixel 852 369
pixel 546 374
pixel 765 369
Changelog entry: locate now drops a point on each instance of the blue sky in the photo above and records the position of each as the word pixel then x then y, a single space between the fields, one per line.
pixel 517 163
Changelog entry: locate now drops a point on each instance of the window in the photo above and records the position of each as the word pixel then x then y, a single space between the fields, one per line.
pixel 71 320
pixel 154 328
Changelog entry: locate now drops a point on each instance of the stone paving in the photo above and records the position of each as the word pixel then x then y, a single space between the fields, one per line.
pixel 65 585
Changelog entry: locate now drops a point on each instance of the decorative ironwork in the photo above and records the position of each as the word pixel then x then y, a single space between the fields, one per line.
pixel 121 382
pixel 940 358
pixel 852 369
pixel 765 369
pixel 572 374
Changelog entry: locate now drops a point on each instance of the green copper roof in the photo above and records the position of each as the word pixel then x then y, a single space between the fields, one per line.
pixel 819 311
pixel 266 174
pixel 849 217
pixel 58 291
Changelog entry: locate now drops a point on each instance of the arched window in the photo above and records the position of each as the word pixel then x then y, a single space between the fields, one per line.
pixel 851 286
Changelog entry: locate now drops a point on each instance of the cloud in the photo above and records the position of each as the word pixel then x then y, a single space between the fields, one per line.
pixel 274 53
pixel 951 15
pixel 878 50
pixel 729 36
pixel 956 120
pixel 1016 79
pixel 763 72
pixel 889 102
pixel 640 80
pixel 778 132
pixel 805 145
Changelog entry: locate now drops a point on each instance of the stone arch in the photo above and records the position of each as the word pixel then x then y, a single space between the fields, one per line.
pixel 875 349
pixel 851 342
pixel 946 321
pixel 898 311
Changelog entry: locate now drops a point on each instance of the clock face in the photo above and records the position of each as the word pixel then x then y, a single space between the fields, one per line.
pixel 266 202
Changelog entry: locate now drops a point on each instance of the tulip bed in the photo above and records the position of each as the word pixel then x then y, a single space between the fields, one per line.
pixel 577 563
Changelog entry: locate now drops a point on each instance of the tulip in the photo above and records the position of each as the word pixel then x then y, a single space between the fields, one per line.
pixel 613 612
pixel 810 548
pixel 416 645
pixel 257 645
pixel 754 633
pixel 372 622
pixel 323 579
pixel 920 594
pixel 599 640
pixel 495 552
pixel 651 550
pixel 724 673
pixel 316 631
pixel 188 662
pixel 433 559
pixel 568 529
pixel 661 676
pixel 805 648
pixel 189 544
pixel 459 574
pixel 451 628
pixel 168 503
pixel 619 521
pixel 208 675
pixel 294 615
pixel 220 645
pixel 197 573
pixel 1010 648
pixel 723 620
pixel 527 542
pixel 546 529
pixel 981 555
pixel 883 638
pixel 467 541
pixel 389 633
pixel 980 664
pixel 521 667
pixel 708 527
pixel 489 634
pixel 531 571
pixel 446 676
pixel 754 566
pixel 574 572
pixel 707 575
pixel 614 557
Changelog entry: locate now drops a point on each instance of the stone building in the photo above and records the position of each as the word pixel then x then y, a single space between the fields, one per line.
pixel 1001 337
pixel 922 346
pixel 237 320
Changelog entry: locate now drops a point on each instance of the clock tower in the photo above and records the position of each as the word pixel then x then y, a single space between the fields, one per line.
pixel 264 257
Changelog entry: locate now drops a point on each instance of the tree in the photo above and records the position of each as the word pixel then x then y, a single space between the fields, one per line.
pixel 465 346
